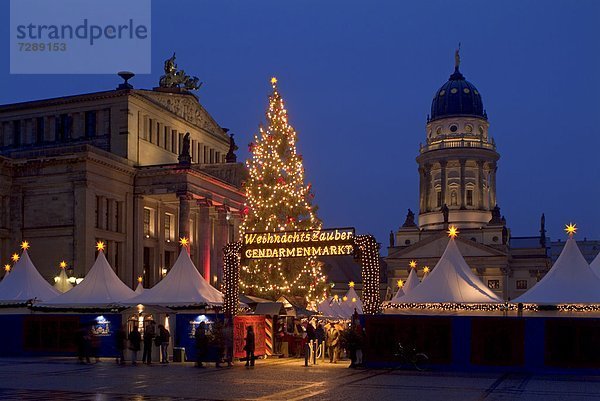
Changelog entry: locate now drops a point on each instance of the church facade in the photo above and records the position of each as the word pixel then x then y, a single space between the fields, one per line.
pixel 137 169
pixel 457 168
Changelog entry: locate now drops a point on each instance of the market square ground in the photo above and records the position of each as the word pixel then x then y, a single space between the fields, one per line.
pixel 283 379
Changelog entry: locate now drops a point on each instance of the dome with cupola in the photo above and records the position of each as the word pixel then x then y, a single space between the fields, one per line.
pixel 457 97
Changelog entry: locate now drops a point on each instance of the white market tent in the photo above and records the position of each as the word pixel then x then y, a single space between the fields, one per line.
pixel 595 265
pixel 325 308
pixel 139 289
pixel 25 283
pixel 450 281
pixel 61 283
pixel 182 286
pixel 101 287
pixel 570 280
pixel 397 296
pixel 411 282
pixel 352 302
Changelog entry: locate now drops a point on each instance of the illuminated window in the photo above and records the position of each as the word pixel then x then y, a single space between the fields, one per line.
pixel 147 222
pixel 169 227
pixel 494 284
pixel 521 284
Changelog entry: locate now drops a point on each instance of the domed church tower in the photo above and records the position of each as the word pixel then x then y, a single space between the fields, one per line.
pixel 457 165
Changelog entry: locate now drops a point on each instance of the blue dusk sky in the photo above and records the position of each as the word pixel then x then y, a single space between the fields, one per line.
pixel 358 78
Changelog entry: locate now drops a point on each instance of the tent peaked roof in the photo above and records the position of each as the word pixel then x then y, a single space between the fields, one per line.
pixel 396 297
pixel 353 302
pixel 24 283
pixel 182 286
pixel 100 287
pixel 62 284
pixel 451 280
pixel 139 289
pixel 411 282
pixel 595 265
pixel 570 280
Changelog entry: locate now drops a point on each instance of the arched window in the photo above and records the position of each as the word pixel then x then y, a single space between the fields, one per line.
pixel 453 198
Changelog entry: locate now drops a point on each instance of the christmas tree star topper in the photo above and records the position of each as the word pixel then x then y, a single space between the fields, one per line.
pixel 452 232
pixel 273 81
pixel 24 245
pixel 571 229
pixel 100 246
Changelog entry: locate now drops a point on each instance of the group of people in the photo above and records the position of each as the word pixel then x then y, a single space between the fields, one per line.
pixel 152 336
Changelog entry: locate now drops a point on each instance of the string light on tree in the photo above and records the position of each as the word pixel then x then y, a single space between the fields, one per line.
pixel 277 199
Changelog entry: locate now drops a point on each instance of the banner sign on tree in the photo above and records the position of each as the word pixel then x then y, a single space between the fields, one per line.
pixel 298 244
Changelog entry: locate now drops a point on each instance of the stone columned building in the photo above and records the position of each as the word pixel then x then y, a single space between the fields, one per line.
pixel 457 168
pixel 135 168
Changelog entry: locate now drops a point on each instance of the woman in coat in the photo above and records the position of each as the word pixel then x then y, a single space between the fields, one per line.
pixel 249 347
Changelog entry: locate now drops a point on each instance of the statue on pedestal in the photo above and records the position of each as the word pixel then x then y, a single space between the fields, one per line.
pixel 184 156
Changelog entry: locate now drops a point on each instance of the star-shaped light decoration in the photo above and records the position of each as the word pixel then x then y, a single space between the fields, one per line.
pixel 426 269
pixel 63 264
pixel 24 245
pixel 344 298
pixel 336 297
pixel 400 283
pixel 140 279
pixel 571 229
pixel 273 81
pixel 100 246
pixel 184 242
pixel 15 257
pixel 412 264
pixel 7 268
pixel 351 284
pixel 452 232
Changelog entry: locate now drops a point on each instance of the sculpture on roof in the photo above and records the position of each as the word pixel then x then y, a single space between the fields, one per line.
pixel 184 156
pixel 231 156
pixel 410 219
pixel 175 78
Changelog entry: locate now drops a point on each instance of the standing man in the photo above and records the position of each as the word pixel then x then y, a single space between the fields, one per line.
pixel 308 347
pixel 249 347
pixel 165 338
pixel 149 334
pixel 333 340
pixel 135 340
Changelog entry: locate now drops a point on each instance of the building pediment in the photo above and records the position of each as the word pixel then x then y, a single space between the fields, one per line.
pixel 434 247
pixel 185 106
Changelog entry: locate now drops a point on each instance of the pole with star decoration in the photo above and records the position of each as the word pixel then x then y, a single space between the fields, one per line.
pixel 277 199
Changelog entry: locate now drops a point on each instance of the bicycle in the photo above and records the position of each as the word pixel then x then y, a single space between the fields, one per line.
pixel 412 357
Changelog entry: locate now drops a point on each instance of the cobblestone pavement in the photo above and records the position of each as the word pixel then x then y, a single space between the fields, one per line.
pixel 283 379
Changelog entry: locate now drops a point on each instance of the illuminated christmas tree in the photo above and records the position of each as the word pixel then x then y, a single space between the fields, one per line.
pixel 279 200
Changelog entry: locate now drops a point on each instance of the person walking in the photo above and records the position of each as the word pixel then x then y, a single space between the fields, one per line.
pixel 149 334
pixel 228 341
pixel 135 341
pixel 333 341
pixel 201 344
pixel 320 334
pixel 165 338
pixel 120 340
pixel 309 344
pixel 250 346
